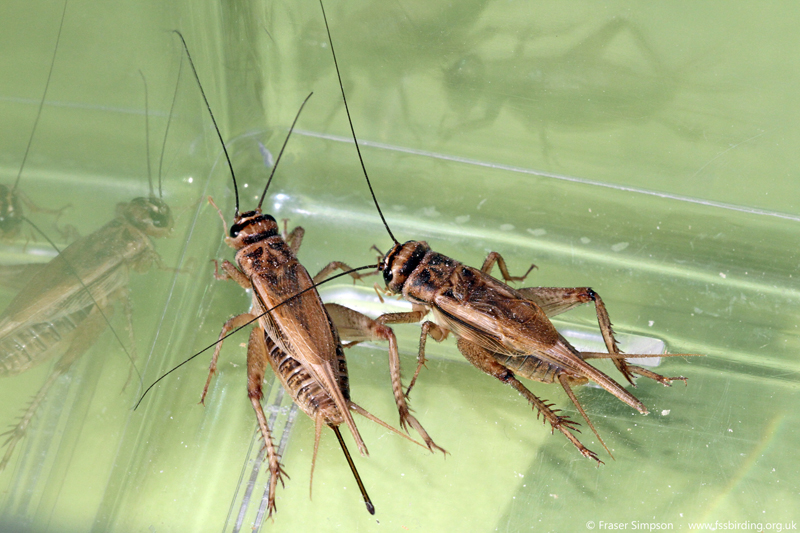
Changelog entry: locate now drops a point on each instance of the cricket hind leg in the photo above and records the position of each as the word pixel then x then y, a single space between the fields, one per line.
pixel 564 381
pixel 83 337
pixel 487 363
pixel 358 327
pixel 557 300
pixel 257 363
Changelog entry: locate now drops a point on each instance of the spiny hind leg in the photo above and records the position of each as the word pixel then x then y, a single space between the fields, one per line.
pixel 484 361
pixel 495 257
pixel 557 300
pixel 358 327
pixel 83 337
pixel 257 363
pixel 664 380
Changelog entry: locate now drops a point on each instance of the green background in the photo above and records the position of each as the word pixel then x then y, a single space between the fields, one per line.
pixel 646 150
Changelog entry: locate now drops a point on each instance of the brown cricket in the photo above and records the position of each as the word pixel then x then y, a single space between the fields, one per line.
pixel 294 332
pixel 502 331
pixel 12 199
pixel 64 306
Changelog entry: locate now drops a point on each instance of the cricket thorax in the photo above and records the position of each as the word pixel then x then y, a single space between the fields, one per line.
pixel 400 262
pixel 431 276
pixel 251 227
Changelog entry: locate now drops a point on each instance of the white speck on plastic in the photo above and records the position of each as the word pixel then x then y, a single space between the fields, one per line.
pixel 463 219
pixel 507 227
pixel 665 412
pixel 650 323
pixel 538 232
pixel 722 275
pixel 619 246
pixel 586 240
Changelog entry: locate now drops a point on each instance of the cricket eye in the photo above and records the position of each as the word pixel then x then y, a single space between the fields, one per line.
pixel 159 219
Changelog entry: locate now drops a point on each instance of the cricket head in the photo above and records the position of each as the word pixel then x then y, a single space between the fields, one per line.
pixel 151 215
pixel 251 227
pixel 10 212
pixel 400 262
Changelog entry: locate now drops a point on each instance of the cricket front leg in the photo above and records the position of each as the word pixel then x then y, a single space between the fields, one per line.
pixel 234 323
pixel 358 327
pixel 484 361
pixel 229 271
pixel 293 239
pixel 331 267
pixel 257 362
pixel 428 328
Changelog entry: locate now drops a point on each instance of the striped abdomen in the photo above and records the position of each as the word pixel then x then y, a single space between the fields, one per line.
pixel 27 347
pixel 304 389
pixel 531 367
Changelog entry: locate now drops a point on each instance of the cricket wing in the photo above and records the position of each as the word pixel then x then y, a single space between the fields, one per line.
pixel 87 272
pixel 491 314
pixel 302 327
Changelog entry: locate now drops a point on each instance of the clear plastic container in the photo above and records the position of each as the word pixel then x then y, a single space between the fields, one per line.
pixel 642 150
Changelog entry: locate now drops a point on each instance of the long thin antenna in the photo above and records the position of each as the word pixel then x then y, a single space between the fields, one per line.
pixel 169 121
pixel 285 142
pixel 208 106
pixel 41 102
pixel 352 129
pixel 367 501
pixel 237 330
pixel 147 134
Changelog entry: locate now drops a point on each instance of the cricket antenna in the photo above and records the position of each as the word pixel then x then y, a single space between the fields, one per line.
pixel 285 142
pixel 166 131
pixel 41 102
pixel 352 129
pixel 147 134
pixel 208 106
pixel 367 501
pixel 254 319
